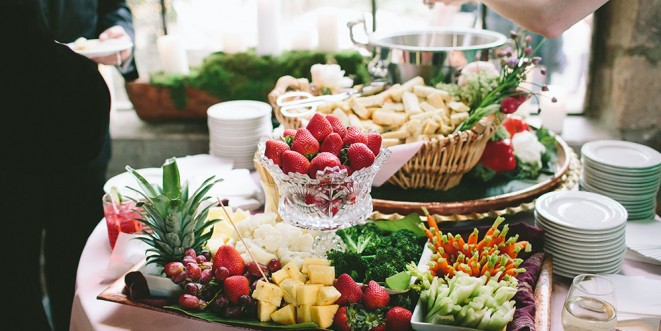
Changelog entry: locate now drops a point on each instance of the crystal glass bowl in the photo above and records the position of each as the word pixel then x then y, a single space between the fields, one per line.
pixel 334 200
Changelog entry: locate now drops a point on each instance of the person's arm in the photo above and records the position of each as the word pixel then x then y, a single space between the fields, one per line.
pixel 116 21
pixel 549 18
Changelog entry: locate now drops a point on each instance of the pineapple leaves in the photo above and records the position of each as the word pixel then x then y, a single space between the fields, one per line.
pixel 144 184
pixel 171 180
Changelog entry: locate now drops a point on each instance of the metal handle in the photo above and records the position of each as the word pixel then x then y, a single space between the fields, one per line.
pixel 351 25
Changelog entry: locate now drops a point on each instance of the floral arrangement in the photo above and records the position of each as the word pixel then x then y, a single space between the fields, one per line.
pixel 488 90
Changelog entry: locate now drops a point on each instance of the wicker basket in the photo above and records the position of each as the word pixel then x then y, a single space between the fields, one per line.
pixel 271 193
pixel 438 165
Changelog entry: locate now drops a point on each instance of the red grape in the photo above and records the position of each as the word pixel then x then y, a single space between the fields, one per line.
pixel 205 276
pixel 200 259
pixel 221 273
pixel 173 268
pixel 189 301
pixel 179 278
pixel 274 265
pixel 193 270
pixel 191 288
pixel 232 311
pixel 253 269
pixel 188 259
pixel 190 252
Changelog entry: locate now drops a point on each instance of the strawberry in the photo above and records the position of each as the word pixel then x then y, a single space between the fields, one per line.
pixel 350 290
pixel 337 125
pixel 274 149
pixel 305 143
pixel 319 127
pixel 227 256
pixel 332 144
pixel 341 321
pixel 374 142
pixel 322 161
pixel 354 135
pixel 236 286
pixel 289 133
pixel 398 319
pixel 348 169
pixel 375 296
pixel 360 156
pixel 294 162
pixel 380 327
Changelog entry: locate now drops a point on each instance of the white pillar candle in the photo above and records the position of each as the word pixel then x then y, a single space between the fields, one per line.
pixel 269 19
pixel 553 113
pixel 302 38
pixel 327 30
pixel 173 55
pixel 234 42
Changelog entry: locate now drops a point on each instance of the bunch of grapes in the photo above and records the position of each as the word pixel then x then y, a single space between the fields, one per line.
pixel 194 274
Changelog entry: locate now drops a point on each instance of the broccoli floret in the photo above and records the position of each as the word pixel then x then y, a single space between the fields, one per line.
pixel 347 262
pixel 362 239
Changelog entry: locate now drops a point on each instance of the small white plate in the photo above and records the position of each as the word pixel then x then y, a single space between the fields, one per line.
pixel 153 175
pixel 581 210
pixel 618 178
pixel 622 154
pixel 558 228
pixel 635 173
pixel 239 111
pixel 95 48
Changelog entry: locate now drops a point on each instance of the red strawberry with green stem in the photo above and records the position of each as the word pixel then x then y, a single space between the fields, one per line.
pixel 354 135
pixel 319 127
pixel 341 321
pixel 375 296
pixel 274 150
pixel 305 143
pixel 398 319
pixel 350 291
pixel 322 161
pixel 289 133
pixel 337 125
pixel 374 142
pixel 360 156
pixel 227 256
pixel 236 286
pixel 332 144
pixel 294 162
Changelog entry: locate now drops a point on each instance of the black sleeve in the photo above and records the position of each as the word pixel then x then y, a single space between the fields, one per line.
pixel 55 104
pixel 117 12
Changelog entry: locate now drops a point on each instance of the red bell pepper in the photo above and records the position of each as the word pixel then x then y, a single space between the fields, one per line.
pixel 499 156
pixel 515 124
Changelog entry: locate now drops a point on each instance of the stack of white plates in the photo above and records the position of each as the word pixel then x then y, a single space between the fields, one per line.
pixel 627 172
pixel 235 128
pixel 584 232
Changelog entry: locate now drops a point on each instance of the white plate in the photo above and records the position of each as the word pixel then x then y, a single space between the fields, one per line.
pixel 622 198
pixel 153 175
pixel 634 188
pixel 636 173
pixel 558 228
pixel 578 254
pixel 622 154
pixel 618 178
pixel 581 210
pixel 239 111
pixel 570 273
pixel 97 48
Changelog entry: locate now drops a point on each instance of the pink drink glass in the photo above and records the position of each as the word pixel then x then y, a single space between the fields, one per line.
pixel 120 218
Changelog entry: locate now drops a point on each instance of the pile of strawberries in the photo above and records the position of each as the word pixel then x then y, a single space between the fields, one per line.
pixel 324 143
pixel 367 309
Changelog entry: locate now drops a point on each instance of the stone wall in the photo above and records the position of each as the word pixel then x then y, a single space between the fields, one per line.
pixel 624 91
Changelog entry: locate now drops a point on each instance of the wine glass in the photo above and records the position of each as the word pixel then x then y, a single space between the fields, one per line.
pixel 333 200
pixel 590 304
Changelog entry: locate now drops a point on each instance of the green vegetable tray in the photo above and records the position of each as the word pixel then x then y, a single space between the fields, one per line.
pixel 473 200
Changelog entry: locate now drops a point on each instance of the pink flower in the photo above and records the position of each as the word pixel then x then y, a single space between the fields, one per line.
pixel 511 104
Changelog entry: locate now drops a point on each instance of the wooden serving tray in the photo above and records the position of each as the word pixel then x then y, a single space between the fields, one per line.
pixel 565 177
pixel 542 298
pixel 154 103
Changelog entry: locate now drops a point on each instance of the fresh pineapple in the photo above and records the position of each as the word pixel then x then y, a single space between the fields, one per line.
pixel 264 310
pixel 327 296
pixel 285 315
pixel 172 216
pixel 303 314
pixel 289 286
pixel 321 274
pixel 323 315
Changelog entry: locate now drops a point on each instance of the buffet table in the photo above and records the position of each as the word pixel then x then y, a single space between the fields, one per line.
pixel 88 313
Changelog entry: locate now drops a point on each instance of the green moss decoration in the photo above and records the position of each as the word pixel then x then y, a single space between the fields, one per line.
pixel 246 76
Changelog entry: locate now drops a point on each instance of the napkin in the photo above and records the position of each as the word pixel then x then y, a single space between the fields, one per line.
pixel 239 187
pixel 400 155
pixel 127 253
pixel 637 297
